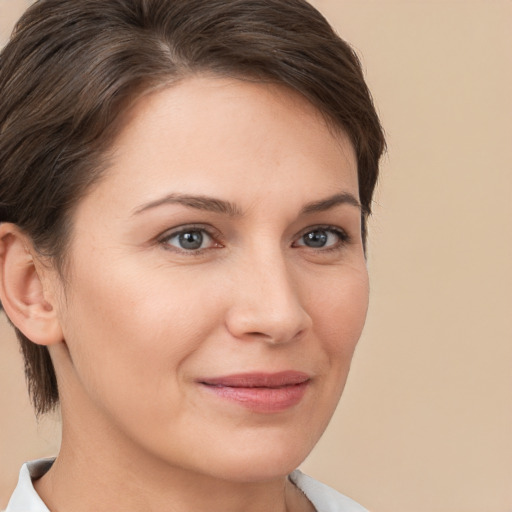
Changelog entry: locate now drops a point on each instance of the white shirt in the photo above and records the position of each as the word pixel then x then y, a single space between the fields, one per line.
pixel 323 498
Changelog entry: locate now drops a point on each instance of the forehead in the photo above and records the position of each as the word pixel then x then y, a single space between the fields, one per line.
pixel 220 136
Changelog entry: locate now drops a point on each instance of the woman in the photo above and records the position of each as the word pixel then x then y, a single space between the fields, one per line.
pixel 184 189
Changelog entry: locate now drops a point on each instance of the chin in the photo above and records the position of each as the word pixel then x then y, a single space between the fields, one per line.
pixel 258 469
pixel 262 458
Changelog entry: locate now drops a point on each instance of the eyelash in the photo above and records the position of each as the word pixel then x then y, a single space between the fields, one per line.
pixel 343 239
pixel 213 235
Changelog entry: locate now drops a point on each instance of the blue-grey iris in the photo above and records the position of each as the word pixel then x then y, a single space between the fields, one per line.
pixel 191 240
pixel 316 238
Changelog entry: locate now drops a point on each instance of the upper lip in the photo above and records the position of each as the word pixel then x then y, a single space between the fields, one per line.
pixel 258 379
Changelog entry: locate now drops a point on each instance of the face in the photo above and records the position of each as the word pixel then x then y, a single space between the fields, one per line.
pixel 217 283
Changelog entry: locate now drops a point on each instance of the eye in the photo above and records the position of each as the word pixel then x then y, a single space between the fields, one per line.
pixel 323 238
pixel 190 240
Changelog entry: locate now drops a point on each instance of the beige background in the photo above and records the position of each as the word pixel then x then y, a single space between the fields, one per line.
pixel 426 421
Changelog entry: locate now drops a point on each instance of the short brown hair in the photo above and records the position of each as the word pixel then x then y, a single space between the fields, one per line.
pixel 72 66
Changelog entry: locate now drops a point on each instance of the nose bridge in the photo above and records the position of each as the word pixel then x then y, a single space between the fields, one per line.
pixel 267 303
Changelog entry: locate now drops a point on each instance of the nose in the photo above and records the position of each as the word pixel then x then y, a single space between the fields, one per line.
pixel 266 303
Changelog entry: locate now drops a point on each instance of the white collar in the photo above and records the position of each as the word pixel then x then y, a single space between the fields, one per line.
pixel 323 497
pixel 25 497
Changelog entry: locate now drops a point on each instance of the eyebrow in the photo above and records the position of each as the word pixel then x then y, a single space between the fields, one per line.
pixel 331 202
pixel 215 205
pixel 206 203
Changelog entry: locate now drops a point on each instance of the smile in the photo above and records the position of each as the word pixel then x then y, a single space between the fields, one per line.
pixel 261 392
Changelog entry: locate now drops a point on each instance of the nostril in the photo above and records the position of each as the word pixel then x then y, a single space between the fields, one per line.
pixel 260 334
pixel 276 337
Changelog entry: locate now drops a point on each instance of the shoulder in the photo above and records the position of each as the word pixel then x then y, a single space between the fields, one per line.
pixel 323 497
pixel 25 497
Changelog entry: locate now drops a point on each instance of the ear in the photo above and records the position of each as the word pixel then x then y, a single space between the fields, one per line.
pixel 24 288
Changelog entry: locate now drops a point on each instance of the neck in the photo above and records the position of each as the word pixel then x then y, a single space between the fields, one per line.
pixel 87 476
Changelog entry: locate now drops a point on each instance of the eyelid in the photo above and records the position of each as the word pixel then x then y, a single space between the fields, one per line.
pixel 211 232
pixel 216 237
pixel 343 236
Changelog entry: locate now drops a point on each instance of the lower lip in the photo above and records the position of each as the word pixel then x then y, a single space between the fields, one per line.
pixel 264 400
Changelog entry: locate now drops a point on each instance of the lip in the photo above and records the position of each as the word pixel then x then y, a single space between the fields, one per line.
pixel 260 392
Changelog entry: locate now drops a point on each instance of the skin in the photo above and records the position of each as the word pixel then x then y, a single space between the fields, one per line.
pixel 142 320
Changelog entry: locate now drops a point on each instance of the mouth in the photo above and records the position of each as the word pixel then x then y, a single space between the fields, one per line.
pixel 260 392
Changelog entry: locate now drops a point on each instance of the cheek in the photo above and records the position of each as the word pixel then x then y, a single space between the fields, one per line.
pixel 340 314
pixel 129 334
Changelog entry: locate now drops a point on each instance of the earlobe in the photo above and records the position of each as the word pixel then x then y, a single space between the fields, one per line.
pixel 22 289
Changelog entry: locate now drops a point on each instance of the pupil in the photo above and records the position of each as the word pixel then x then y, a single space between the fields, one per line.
pixel 316 239
pixel 191 240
